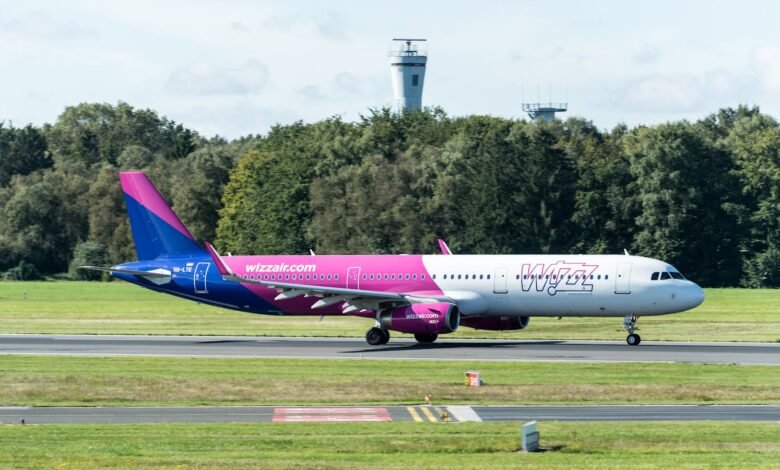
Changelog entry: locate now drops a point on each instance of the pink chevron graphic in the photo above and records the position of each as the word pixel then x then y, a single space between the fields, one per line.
pixel 136 185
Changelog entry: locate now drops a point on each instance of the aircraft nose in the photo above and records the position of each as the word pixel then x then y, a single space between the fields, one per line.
pixel 695 295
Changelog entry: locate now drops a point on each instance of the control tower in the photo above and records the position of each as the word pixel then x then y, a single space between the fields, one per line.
pixel 407 68
pixel 545 111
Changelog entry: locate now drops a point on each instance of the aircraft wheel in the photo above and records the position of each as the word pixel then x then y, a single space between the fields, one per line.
pixel 423 338
pixel 375 336
pixel 633 339
pixel 386 334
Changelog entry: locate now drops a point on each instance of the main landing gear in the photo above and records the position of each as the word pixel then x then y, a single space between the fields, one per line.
pixel 629 323
pixel 377 336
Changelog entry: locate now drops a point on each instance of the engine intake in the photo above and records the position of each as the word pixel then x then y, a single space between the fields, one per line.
pixel 499 323
pixel 430 318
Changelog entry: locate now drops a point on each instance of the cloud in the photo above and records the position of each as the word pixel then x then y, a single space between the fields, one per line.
pixel 326 24
pixel 663 93
pixel 766 61
pixel 345 86
pixel 202 78
pixel 40 25
pixel 646 55
pixel 311 93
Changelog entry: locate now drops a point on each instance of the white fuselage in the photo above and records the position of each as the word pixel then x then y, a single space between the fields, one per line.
pixel 561 285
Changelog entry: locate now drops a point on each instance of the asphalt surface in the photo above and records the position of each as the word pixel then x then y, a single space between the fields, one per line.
pixel 443 349
pixel 244 414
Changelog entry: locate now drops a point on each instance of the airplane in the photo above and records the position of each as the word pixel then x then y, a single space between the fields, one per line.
pixel 423 295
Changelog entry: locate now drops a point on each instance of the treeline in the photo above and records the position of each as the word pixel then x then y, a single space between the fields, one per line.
pixel 704 196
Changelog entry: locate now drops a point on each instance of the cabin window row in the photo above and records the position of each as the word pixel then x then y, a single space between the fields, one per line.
pixel 392 277
pixel 463 276
pixel 292 277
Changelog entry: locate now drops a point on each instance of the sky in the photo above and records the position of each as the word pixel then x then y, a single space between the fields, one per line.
pixel 233 68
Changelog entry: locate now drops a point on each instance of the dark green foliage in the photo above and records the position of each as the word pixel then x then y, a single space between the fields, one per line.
pixel 704 196
pixel 22 151
pixel 88 253
pixel 23 271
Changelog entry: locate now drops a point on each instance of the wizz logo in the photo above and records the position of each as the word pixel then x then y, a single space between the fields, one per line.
pixel 559 277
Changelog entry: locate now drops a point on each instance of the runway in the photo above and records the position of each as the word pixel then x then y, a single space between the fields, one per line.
pixel 252 414
pixel 443 349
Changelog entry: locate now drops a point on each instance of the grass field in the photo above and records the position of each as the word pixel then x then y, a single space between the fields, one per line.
pixel 121 308
pixel 140 381
pixel 391 445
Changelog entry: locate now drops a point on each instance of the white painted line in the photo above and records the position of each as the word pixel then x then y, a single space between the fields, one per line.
pixel 463 413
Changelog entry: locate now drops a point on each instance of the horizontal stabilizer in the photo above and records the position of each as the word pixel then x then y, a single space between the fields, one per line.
pixel 157 276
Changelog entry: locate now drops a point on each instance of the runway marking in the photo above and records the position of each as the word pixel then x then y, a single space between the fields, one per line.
pixel 427 412
pixel 330 414
pixel 463 413
pixel 415 415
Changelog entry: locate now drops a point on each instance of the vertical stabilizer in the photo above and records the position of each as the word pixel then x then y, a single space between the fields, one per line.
pixel 157 230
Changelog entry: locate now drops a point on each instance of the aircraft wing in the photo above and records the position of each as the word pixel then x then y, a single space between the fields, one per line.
pixel 354 299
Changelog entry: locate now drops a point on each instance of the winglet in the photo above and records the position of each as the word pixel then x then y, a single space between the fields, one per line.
pixel 445 250
pixel 223 268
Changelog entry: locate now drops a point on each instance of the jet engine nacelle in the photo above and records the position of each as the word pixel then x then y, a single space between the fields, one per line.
pixel 428 318
pixel 496 323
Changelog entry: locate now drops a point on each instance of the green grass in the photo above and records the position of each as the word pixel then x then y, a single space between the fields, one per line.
pixel 141 381
pixel 121 308
pixel 391 445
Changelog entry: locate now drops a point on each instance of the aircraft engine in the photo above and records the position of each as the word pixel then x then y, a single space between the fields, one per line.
pixel 428 318
pixel 499 323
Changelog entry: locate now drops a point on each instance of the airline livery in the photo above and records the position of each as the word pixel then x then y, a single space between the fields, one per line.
pixel 424 295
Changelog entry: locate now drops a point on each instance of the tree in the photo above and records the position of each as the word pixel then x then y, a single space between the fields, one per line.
pixel 683 182
pixel 755 143
pixel 88 253
pixel 22 151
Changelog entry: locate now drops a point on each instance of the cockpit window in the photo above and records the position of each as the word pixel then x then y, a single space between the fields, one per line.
pixel 665 276
pixel 676 275
pixel 654 277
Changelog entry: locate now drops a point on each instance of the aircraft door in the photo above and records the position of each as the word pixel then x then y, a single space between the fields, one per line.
pixel 623 278
pixel 499 281
pixel 199 277
pixel 353 277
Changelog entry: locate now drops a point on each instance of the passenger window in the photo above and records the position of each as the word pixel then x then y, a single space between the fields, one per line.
pixel 591 276
pixel 473 276
pixel 654 277
pixel 665 276
pixel 422 276
pixel 414 277
pixel 599 276
pixel 606 276
pixel 385 277
pixel 480 276
pixel 336 277
pixel 458 276
pixel 569 277
pixel 445 276
pixel 392 277
pixel 488 276
pixel 407 276
pixel 547 276
pixel 517 277
pixel 329 276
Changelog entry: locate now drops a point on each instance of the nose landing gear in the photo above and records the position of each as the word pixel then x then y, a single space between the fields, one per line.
pixel 629 323
pixel 377 336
